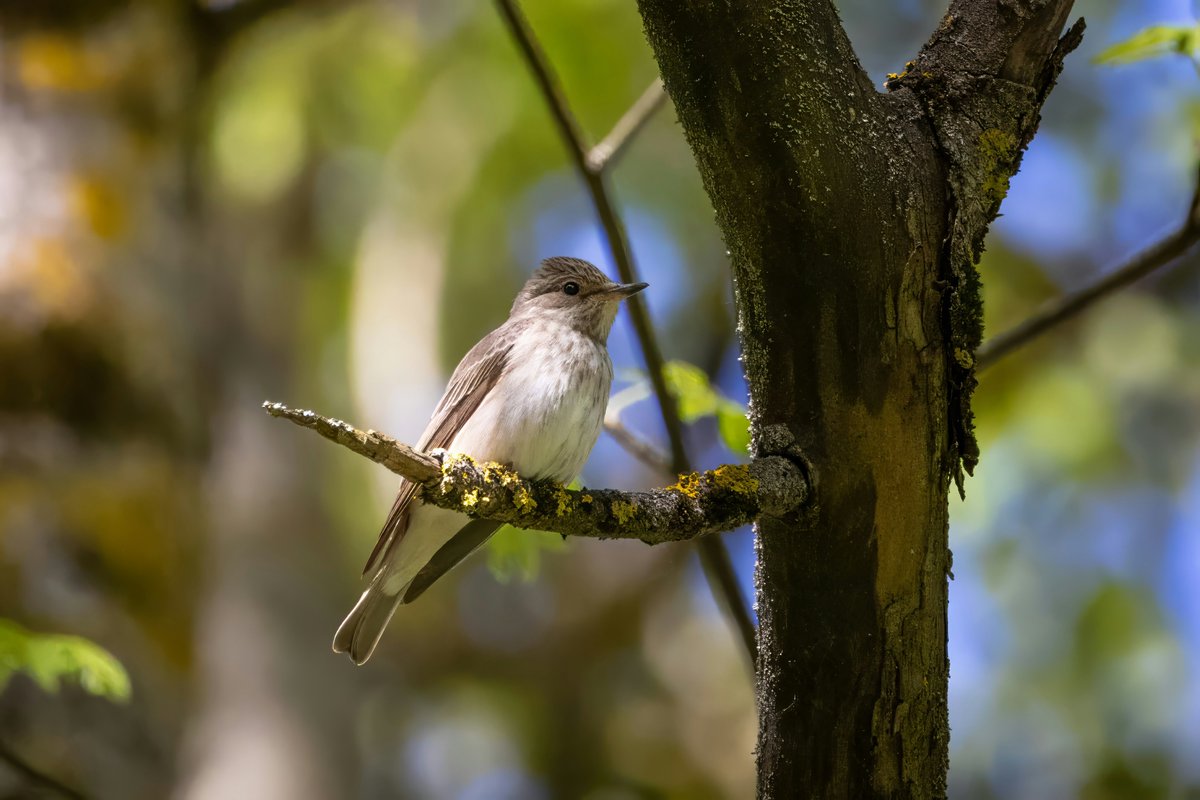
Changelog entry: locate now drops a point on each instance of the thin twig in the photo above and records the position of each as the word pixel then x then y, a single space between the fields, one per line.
pixel 610 148
pixel 1069 306
pixel 613 228
pixel 713 555
pixel 697 505
pixel 638 447
pixel 36 776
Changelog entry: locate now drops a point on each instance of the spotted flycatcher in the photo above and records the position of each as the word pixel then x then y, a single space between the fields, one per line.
pixel 530 395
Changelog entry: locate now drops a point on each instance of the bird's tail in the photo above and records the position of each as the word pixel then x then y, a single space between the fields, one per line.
pixel 360 631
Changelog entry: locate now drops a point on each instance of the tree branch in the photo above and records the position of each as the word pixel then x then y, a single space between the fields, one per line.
pixel 707 503
pixel 1067 307
pixel 36 776
pixel 981 81
pixel 717 565
pixel 611 146
pixel 637 447
pixel 698 504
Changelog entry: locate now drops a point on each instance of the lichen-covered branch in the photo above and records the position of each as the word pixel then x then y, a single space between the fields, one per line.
pixel 698 504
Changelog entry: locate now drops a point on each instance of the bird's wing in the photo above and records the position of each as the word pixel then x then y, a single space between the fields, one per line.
pixel 473 378
pixel 468 539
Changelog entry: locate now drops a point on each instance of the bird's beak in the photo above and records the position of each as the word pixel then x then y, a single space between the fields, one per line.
pixel 623 290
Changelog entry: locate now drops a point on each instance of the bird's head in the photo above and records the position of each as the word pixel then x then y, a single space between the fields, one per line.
pixel 575 293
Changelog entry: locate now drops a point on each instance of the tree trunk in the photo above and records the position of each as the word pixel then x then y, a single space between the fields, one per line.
pixel 853 220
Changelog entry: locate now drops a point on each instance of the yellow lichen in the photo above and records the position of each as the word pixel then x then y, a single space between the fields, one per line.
pixel 688 485
pixel 524 501
pixel 494 472
pixel 470 498
pixel 997 150
pixel 452 462
pixel 586 498
pixel 563 500
pixel 455 459
pixel 623 511
pixel 735 478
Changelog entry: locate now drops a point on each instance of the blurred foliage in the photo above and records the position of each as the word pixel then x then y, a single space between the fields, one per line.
pixel 50 659
pixel 1152 42
pixel 513 553
pixel 207 204
pixel 697 399
pixel 517 554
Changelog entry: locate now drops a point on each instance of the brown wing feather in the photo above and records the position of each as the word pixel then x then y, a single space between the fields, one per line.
pixel 468 539
pixel 473 378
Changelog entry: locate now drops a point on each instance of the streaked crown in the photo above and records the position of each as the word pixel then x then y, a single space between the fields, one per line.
pixel 555 273
pixel 574 293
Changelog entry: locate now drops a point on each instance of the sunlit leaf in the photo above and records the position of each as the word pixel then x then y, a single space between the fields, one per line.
pixel 733 426
pixel 1152 42
pixel 1066 416
pixel 514 553
pixel 697 399
pixel 50 659
pixel 691 389
pixel 259 138
pixel 517 554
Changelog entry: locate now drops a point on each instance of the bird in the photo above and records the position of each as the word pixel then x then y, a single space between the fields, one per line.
pixel 530 395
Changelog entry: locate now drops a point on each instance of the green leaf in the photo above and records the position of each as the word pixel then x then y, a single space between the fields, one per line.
pixel 691 389
pixel 514 553
pixel 733 426
pixel 1152 42
pixel 697 399
pixel 49 659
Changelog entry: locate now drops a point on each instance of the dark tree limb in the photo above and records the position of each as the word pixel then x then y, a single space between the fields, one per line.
pixel 982 79
pixel 698 504
pixel 35 776
pixel 1065 308
pixel 853 221
pixel 715 559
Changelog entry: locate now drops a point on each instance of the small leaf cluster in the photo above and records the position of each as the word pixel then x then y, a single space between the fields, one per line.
pixel 516 554
pixel 696 399
pixel 51 659
pixel 1153 42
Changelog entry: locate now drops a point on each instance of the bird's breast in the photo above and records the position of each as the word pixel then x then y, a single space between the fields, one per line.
pixel 545 412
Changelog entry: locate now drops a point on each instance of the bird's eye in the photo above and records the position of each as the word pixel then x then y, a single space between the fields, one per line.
pixel 571 287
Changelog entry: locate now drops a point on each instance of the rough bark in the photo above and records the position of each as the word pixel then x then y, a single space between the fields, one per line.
pixel 698 504
pixel 853 220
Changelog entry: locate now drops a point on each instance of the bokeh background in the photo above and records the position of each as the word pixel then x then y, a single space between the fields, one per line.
pixel 205 205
